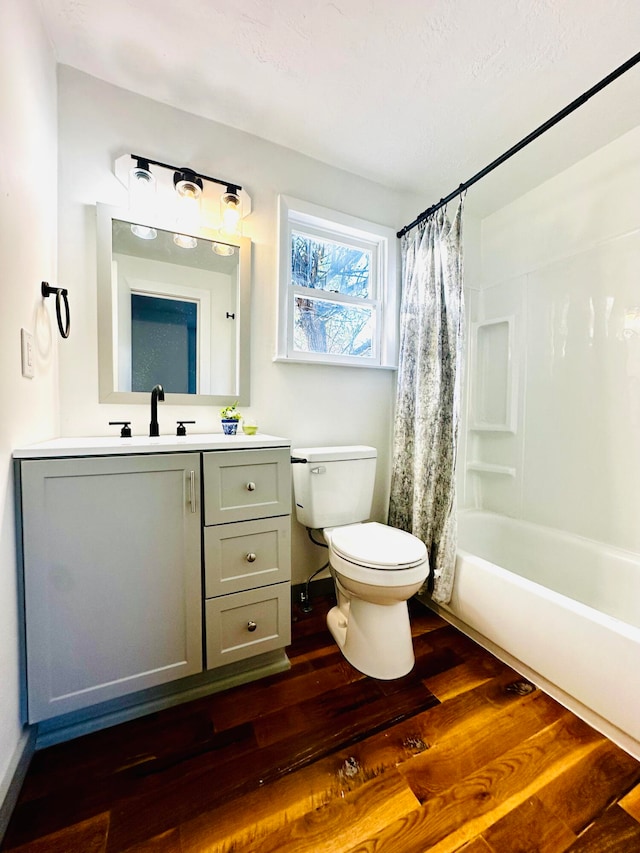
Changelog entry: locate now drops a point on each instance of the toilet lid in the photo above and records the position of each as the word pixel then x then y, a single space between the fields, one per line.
pixel 378 546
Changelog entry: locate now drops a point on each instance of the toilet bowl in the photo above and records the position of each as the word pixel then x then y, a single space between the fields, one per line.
pixel 376 570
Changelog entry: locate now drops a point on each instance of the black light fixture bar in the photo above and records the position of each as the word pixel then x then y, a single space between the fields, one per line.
pixel 145 162
pixel 524 142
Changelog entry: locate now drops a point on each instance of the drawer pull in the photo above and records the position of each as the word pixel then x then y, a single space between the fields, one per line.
pixel 192 490
pixel 251 487
pixel 251 558
pixel 251 625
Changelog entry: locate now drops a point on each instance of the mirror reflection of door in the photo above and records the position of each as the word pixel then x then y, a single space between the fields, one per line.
pixel 174 314
pixel 163 344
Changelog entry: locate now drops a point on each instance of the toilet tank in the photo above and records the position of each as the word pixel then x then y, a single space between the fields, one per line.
pixel 335 485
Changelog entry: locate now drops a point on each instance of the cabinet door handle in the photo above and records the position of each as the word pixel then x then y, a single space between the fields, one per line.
pixel 192 490
pixel 251 625
pixel 251 558
pixel 251 487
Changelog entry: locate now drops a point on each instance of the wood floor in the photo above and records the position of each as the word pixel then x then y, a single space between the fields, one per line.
pixel 459 755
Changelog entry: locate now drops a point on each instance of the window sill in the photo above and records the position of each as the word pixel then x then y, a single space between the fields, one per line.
pixel 317 362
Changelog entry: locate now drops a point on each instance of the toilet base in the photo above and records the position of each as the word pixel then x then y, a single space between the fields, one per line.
pixel 374 638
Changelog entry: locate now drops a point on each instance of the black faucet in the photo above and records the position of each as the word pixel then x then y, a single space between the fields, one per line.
pixel 157 393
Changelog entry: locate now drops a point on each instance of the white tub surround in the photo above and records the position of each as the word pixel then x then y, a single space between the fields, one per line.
pixel 562 610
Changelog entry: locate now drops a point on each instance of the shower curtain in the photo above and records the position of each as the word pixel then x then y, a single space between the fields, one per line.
pixel 427 413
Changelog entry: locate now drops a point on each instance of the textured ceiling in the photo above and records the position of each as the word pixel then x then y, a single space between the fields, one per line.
pixel 416 94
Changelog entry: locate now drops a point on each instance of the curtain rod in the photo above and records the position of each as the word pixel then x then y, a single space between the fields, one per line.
pixel 524 142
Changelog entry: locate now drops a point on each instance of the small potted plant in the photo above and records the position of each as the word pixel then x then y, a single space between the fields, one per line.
pixel 230 417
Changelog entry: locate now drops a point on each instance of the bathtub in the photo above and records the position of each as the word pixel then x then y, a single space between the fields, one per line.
pixel 562 610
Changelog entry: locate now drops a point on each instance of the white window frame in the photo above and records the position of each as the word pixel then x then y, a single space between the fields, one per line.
pixel 316 221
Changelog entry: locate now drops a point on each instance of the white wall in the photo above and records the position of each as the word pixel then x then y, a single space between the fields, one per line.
pixel 564 259
pixel 28 149
pixel 310 404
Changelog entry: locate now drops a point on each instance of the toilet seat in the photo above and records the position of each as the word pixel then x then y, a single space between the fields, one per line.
pixel 377 546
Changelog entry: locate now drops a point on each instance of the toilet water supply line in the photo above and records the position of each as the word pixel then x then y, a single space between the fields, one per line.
pixel 305 601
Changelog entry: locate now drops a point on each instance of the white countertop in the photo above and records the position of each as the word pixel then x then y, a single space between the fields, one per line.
pixel 113 445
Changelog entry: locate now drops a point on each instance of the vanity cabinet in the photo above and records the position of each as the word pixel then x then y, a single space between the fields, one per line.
pixel 111 550
pixel 247 562
pixel 169 563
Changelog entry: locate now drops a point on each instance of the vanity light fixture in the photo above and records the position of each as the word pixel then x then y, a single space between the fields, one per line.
pixel 189 187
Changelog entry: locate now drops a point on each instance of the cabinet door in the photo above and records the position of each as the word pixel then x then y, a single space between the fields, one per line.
pixel 112 577
pixel 243 484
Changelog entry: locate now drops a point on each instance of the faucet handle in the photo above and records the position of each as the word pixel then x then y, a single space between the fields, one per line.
pixel 182 430
pixel 125 432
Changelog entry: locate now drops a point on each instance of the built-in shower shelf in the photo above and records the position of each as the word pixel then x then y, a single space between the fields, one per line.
pixel 489 468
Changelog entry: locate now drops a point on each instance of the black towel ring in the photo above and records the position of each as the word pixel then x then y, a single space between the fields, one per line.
pixel 61 294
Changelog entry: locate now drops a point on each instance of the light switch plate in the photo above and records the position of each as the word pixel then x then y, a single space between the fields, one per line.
pixel 26 346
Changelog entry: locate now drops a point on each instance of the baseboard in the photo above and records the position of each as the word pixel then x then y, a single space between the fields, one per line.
pixel 13 780
pixel 115 711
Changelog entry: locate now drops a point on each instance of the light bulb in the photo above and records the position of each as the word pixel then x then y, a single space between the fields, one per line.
pixel 189 190
pixel 223 249
pixel 185 241
pixel 230 213
pixel 144 232
pixel 142 188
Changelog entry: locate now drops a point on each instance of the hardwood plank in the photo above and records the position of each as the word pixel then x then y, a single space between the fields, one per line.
pixel 580 793
pixel 246 703
pixel 79 797
pixel 472 673
pixel 269 807
pixel 371 757
pixel 333 777
pixel 631 803
pixel 166 842
pixel 363 694
pixel 529 827
pixel 478 845
pixel 88 836
pixel 281 723
pixel 112 750
pixel 614 832
pixel 472 744
pixel 335 828
pixel 449 819
pixel 208 785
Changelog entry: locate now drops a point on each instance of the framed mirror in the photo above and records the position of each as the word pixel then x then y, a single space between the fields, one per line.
pixel 173 309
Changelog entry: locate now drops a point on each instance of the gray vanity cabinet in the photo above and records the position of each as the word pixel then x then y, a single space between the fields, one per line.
pixel 112 576
pixel 247 506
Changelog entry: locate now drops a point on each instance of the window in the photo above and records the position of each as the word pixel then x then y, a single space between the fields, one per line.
pixel 337 278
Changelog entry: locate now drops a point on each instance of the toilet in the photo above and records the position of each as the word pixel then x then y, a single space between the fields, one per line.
pixel 376 568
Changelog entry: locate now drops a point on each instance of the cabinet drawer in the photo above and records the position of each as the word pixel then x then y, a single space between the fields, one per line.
pixel 245 484
pixel 246 554
pixel 245 624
